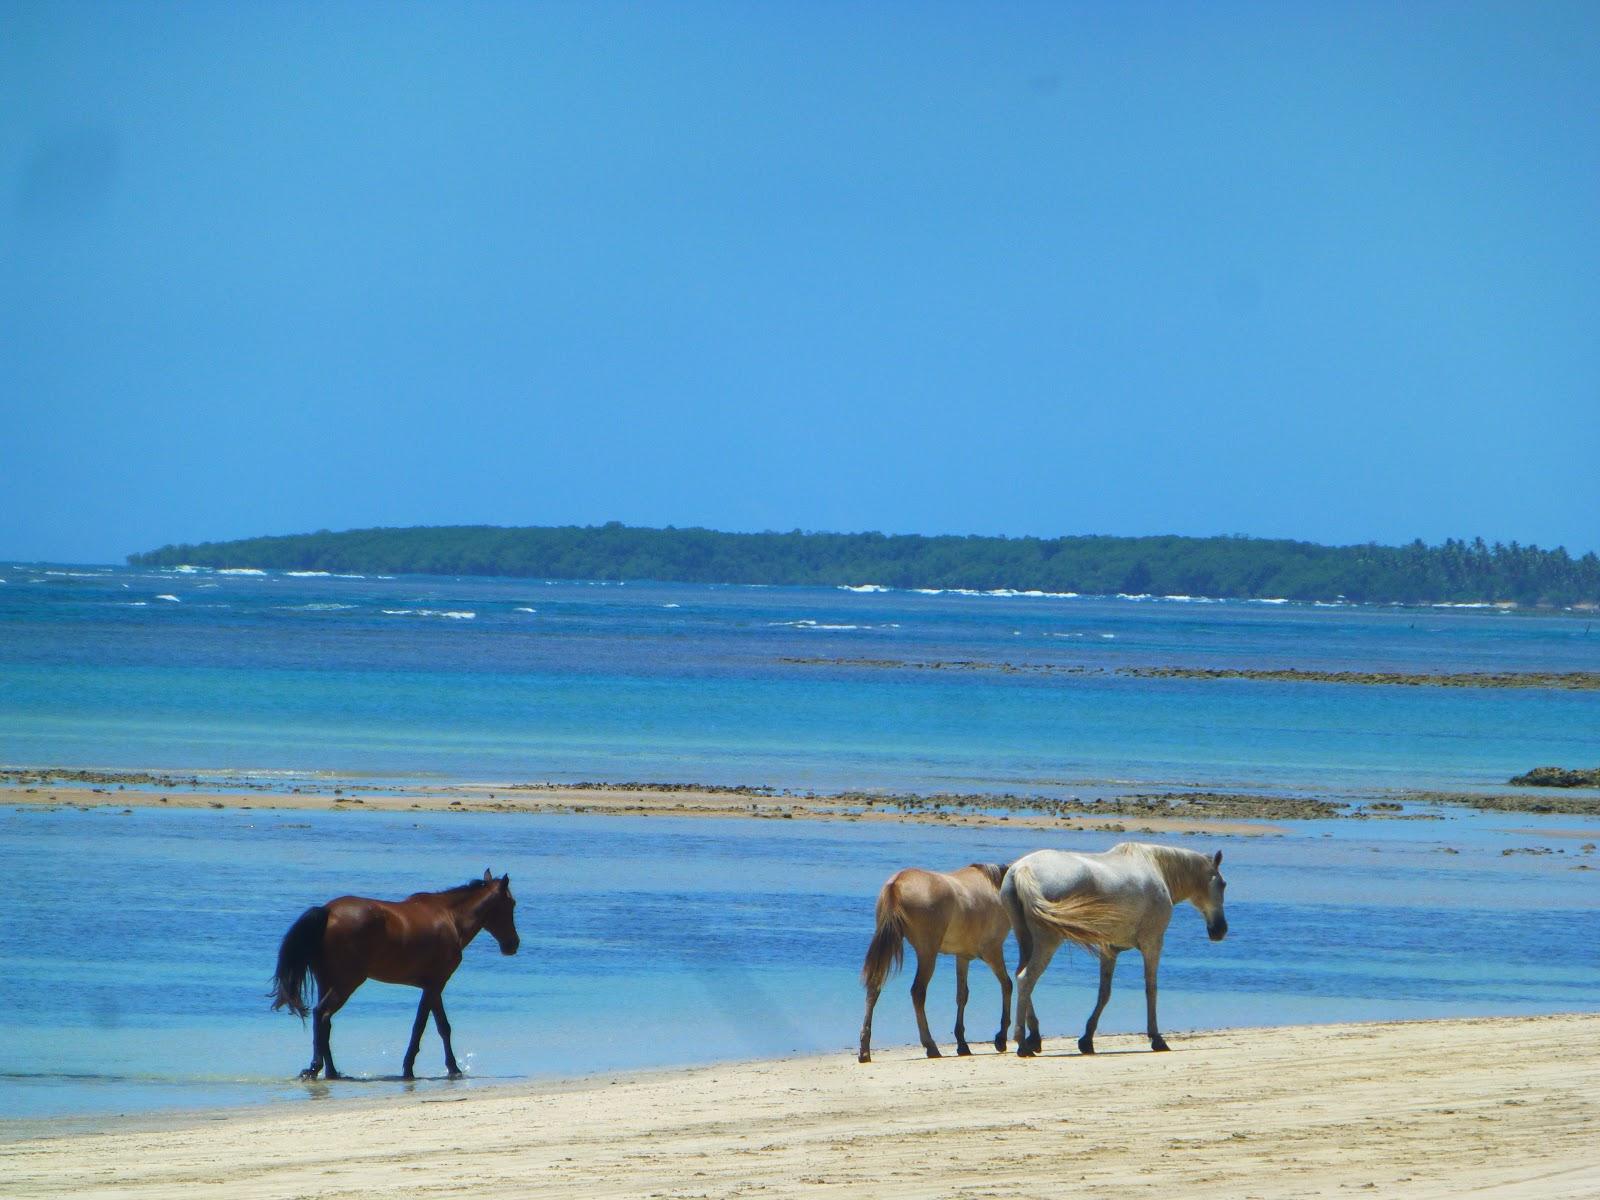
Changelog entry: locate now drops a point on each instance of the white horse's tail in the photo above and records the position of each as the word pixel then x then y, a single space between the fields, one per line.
pixel 1089 920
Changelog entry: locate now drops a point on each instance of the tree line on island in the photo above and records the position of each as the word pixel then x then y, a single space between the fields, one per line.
pixel 1232 567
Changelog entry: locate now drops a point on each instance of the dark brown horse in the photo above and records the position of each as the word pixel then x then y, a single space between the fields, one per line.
pixel 416 941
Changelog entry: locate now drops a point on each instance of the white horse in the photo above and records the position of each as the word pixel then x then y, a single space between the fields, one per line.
pixel 1109 902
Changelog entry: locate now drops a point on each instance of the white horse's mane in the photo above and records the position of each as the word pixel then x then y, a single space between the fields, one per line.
pixel 1186 871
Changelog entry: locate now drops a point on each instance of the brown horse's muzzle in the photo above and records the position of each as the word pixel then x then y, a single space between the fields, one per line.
pixel 509 948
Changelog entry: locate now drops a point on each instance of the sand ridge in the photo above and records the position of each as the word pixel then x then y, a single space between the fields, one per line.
pixel 1494 1106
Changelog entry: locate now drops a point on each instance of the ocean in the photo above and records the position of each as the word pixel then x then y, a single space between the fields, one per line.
pixel 525 680
pixel 137 946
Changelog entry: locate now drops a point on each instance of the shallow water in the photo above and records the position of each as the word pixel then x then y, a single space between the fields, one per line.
pixel 134 962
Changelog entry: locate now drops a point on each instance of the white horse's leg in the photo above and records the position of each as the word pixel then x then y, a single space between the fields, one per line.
pixel 962 963
pixel 1108 964
pixel 1045 944
pixel 995 957
pixel 1152 959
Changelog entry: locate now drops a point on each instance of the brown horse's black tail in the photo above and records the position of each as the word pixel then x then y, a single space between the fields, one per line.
pixel 302 945
pixel 888 947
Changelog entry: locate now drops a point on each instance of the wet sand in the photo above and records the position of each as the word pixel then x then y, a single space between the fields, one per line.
pixel 1505 1107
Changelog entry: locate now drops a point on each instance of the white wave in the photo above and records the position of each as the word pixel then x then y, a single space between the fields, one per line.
pixel 430 612
pixel 76 574
pixel 928 591
pixel 526 610
pixel 168 596
pixel 308 574
pixel 1327 604
pixel 326 607
pixel 672 606
pixel 815 625
pixel 186 569
pixel 1108 636
pixel 240 571
pixel 138 604
pixel 199 587
pixel 1479 604
pixel 1267 600
pixel 1192 599
pixel 865 587
pixel 361 576
pixel 1138 596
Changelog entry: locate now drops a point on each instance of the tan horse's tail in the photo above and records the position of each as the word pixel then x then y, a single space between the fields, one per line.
pixel 1090 921
pixel 888 948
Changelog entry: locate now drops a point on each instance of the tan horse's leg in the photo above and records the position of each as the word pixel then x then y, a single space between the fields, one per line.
pixel 1108 964
pixel 995 957
pixel 1152 959
pixel 962 963
pixel 927 959
pixel 866 1027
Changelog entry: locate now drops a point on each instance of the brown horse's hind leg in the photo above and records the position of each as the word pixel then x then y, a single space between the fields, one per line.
pixel 995 957
pixel 333 998
pixel 962 963
pixel 442 1024
pixel 926 961
pixel 424 1007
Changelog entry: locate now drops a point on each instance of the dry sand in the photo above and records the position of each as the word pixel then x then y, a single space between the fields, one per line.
pixel 1499 1107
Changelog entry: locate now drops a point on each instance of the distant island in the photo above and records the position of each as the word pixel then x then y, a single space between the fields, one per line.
pixel 1223 567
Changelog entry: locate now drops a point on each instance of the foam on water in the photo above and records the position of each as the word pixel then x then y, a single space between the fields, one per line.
pixel 240 571
pixel 168 596
pixel 451 614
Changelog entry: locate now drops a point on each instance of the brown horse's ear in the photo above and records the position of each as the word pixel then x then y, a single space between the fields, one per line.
pixel 1216 860
pixel 488 875
pixel 506 879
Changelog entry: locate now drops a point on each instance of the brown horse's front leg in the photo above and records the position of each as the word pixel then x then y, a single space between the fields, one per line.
pixel 442 1024
pixel 424 1007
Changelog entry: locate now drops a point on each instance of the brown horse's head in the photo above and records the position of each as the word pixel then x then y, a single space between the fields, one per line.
pixel 498 912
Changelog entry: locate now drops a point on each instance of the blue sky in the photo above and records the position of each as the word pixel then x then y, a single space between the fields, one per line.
pixel 1326 271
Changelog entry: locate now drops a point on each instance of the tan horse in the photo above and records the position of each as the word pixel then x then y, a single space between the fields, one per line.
pixel 959 913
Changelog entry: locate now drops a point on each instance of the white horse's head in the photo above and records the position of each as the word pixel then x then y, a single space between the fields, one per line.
pixel 1209 900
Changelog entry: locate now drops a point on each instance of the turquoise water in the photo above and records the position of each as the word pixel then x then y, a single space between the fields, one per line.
pixel 522 680
pixel 134 960
pixel 138 945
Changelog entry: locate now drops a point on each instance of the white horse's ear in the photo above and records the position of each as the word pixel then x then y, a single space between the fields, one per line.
pixel 1216 860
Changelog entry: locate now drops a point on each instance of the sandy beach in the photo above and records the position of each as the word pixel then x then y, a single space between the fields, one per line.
pixel 1503 1107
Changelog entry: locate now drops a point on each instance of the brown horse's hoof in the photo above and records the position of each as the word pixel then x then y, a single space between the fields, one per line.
pixel 1000 1043
pixel 1025 1051
pixel 310 1072
pixel 933 1052
pixel 1085 1045
pixel 1159 1043
pixel 863 1057
pixel 963 1050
